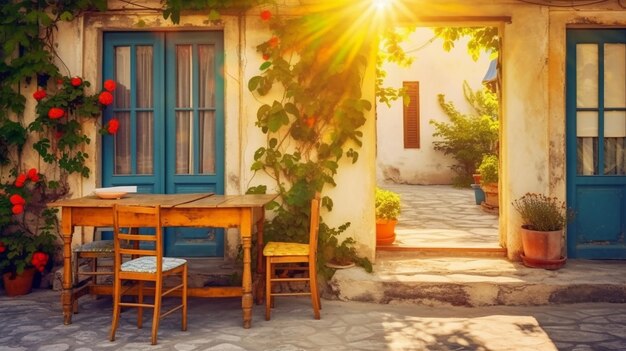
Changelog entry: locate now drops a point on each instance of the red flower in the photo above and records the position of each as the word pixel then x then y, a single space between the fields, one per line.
pixel 59 81
pixel 17 199
pixel 20 180
pixel 109 85
pixel 55 113
pixel 266 15
pixel 105 98
pixel 17 209
pixel 113 126
pixel 33 175
pixel 39 94
pixel 39 260
pixel 2 248
pixel 273 42
pixel 266 57
pixel 76 81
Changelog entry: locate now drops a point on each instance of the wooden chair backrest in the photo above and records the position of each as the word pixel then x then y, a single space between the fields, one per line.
pixel 314 225
pixel 133 218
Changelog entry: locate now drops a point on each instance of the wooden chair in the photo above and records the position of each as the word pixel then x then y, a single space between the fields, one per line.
pixel 148 266
pixel 277 254
pixel 92 254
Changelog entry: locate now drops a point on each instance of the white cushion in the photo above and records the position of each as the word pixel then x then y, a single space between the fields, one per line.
pixel 147 264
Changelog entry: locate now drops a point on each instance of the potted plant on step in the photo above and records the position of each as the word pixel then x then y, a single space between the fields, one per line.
pixel 488 170
pixel 387 211
pixel 542 230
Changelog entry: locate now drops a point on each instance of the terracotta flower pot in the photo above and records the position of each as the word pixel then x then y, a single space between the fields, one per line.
pixel 385 231
pixel 540 245
pixel 21 284
pixel 491 194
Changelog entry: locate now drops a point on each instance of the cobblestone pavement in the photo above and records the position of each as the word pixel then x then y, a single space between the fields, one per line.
pixel 442 216
pixel 34 322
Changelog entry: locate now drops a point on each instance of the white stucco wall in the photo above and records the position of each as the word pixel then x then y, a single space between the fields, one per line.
pixel 438 72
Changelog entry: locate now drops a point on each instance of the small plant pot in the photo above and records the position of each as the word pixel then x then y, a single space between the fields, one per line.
pixel 540 245
pixel 479 194
pixel 491 194
pixel 477 177
pixel 19 284
pixel 385 231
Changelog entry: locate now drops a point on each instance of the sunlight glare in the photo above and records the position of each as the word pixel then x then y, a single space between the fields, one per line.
pixel 381 5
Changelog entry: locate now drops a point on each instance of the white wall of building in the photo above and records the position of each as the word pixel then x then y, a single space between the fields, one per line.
pixel 438 72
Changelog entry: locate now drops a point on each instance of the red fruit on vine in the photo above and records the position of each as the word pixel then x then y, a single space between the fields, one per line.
pixel 105 98
pixel 17 199
pixel 266 15
pixel 109 85
pixel 39 94
pixel 17 209
pixel 56 113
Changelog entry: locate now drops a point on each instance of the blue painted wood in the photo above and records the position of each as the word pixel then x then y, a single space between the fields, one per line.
pixel 186 241
pixel 180 241
pixel 599 224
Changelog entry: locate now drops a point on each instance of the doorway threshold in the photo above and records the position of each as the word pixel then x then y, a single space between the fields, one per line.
pixel 445 250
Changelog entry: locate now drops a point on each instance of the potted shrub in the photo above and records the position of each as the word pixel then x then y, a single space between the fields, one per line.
pixel 387 211
pixel 488 170
pixel 23 252
pixel 543 219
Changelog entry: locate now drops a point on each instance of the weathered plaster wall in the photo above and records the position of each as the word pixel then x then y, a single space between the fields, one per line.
pixel 438 72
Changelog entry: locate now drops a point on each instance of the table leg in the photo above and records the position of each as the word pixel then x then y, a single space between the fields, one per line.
pixel 67 294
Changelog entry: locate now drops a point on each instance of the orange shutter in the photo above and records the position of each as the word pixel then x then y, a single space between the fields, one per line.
pixel 412 116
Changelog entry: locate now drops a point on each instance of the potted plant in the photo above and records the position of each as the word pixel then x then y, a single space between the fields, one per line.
pixel 22 251
pixel 488 170
pixel 544 219
pixel 387 205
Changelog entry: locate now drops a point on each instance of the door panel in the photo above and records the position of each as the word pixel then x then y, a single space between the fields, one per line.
pixel 596 142
pixel 169 102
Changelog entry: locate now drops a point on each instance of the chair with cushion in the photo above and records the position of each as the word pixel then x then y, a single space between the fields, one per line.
pixel 288 257
pixel 144 263
pixel 92 254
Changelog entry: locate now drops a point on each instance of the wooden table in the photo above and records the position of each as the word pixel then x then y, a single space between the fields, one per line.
pixel 178 210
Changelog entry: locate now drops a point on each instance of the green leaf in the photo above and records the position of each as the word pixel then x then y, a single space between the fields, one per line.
pixel 265 65
pixel 254 82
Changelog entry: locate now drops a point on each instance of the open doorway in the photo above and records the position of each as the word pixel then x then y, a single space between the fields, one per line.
pixel 452 94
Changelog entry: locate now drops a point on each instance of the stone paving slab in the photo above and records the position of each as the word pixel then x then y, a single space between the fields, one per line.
pixel 34 322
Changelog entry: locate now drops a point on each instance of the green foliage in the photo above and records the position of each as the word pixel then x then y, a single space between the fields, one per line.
pixel 391 51
pixel 540 212
pixel 315 122
pixel 18 239
pixel 481 39
pixel 387 204
pixel 27 58
pixel 488 169
pixel 468 137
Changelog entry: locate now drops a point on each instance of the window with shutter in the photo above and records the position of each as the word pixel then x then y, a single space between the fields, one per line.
pixel 412 116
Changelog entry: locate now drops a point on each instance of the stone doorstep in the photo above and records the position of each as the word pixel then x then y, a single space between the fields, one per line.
pixel 472 282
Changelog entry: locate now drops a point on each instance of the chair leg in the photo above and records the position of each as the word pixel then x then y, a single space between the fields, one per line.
pixel 157 310
pixel 75 281
pixel 268 288
pixel 116 308
pixel 315 297
pixel 184 298
pixel 140 308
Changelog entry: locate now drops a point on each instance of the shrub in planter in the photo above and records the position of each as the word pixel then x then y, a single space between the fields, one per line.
pixel 387 204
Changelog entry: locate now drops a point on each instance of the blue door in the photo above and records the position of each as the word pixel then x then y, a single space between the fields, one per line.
pixel 596 143
pixel 169 101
